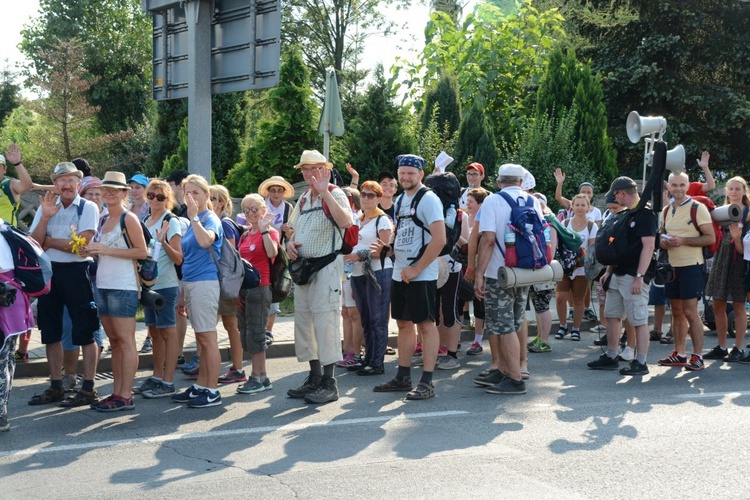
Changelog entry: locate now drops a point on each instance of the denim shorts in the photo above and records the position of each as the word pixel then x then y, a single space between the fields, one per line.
pixel 117 303
pixel 165 318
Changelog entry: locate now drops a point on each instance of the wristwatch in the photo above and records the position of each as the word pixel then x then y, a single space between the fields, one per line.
pixel 196 219
pixel 639 275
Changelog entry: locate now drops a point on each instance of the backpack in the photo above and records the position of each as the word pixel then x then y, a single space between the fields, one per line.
pixel 252 275
pixel 612 242
pixel 445 185
pixel 230 267
pixel 147 269
pixel 184 224
pixel 710 250
pixel 350 236
pixel 31 266
pixel 531 245
pixel 571 260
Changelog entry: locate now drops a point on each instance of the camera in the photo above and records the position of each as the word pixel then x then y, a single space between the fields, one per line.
pixel 7 294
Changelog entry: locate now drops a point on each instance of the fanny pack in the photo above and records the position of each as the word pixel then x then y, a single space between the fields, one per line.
pixel 303 270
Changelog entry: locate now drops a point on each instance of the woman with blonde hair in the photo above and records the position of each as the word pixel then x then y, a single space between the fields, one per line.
pixel 117 245
pixel 222 206
pixel 726 279
pixel 200 280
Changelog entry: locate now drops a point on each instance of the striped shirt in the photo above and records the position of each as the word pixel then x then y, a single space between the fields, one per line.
pixel 317 234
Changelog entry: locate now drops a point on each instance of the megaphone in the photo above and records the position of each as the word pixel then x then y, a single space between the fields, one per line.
pixel 638 126
pixel 675 160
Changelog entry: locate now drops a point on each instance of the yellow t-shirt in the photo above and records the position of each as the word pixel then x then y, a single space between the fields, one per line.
pixel 677 223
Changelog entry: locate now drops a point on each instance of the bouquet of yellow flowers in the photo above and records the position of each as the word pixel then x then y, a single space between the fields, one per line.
pixel 76 241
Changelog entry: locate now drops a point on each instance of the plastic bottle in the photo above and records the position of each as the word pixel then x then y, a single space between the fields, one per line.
pixel 511 259
pixel 510 237
pixel 450 217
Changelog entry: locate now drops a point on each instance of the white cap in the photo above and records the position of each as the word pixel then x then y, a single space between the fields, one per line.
pixel 528 181
pixel 2 159
pixel 510 170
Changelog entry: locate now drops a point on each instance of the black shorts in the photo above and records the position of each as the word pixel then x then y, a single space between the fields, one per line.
pixel 688 283
pixel 446 301
pixel 413 301
pixel 71 287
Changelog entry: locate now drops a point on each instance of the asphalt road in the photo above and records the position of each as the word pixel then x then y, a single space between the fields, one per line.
pixel 576 434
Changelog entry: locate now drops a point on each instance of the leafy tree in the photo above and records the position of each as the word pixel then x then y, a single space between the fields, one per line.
pixel 10 96
pixel 116 52
pixel 178 161
pixel 227 130
pixel 379 131
pixel 282 138
pixel 434 139
pixel 171 116
pixel 442 105
pixel 476 139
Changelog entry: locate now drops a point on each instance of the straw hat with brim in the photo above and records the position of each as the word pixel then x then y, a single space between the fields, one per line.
pixel 65 168
pixel 115 180
pixel 313 157
pixel 276 180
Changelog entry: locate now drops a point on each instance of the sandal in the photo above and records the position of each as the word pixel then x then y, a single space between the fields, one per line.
pixel 561 332
pixel 423 390
pixel 49 395
pixel 390 351
pixel 395 385
pixel 525 375
pixel 484 373
pixel 575 335
pixel 81 398
pixel 114 403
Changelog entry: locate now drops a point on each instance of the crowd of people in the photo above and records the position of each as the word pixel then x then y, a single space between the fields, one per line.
pixel 95 231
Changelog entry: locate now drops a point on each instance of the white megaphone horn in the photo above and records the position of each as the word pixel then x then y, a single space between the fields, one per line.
pixel 638 126
pixel 675 160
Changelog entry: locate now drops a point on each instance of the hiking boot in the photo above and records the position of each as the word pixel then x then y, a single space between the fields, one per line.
pixel 448 363
pixel 494 377
pixel 475 349
pixel 734 355
pixel 635 368
pixel 326 392
pixel 507 386
pixel 654 336
pixel 310 385
pixel 80 398
pixel 541 346
pixel 233 376
pixel 604 362
pixel 673 360
pixel 717 352
pixel 162 390
pixel 668 338
pixel 627 354
pixel 695 364
pixel 255 385
pixel 146 385
pixel 148 345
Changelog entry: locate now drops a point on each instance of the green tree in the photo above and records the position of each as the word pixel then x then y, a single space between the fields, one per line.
pixel 10 93
pixel 282 138
pixel 379 130
pixel 178 161
pixel 116 49
pixel 441 104
pixel 171 116
pixel 476 139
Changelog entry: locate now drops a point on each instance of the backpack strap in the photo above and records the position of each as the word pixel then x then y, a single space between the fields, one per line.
pixel 693 219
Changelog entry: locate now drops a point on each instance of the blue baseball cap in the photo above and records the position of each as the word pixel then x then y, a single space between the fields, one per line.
pixel 411 161
pixel 140 179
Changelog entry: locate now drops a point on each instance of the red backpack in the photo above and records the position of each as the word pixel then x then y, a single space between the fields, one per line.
pixel 350 238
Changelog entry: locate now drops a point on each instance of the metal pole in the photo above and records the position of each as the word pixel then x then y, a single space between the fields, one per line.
pixel 199 13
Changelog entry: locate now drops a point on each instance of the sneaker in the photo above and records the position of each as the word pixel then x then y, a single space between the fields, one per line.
pixel 417 360
pixel 668 338
pixel 146 385
pixel 310 385
pixel 186 396
pixel 494 377
pixel 21 357
pixel 541 346
pixel 717 352
pixel 734 355
pixel 746 359
pixel 442 351
pixel 80 398
pixel 269 337
pixel 69 383
pixel 561 332
pixel 627 355
pixel 570 315
pixel 466 321
pixel 148 346
pixel 448 363
pixel 475 349
pixel 673 360
pixel 205 399
pixel 507 386
pixel 326 392
pixel 255 385
pixel 192 364
pixel 635 368
pixel 532 342
pixel 589 315
pixel 114 403
pixel 371 370
pixel 349 360
pixel 191 373
pixel 601 341
pixel 604 362
pixel 4 424
pixel 233 376
pixel 180 360
pixel 162 390
pixel 600 329
pixel 418 349
pixel 695 364
pixel 654 336
pixel 623 339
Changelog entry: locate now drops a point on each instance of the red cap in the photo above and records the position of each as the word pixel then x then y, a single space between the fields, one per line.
pixel 475 166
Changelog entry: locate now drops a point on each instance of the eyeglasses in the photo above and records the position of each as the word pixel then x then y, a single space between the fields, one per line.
pixel 214 198
pixel 159 197
pixel 71 180
pixel 472 174
pixel 276 190
pixel 106 190
pixel 254 210
pixel 311 169
pixel 368 196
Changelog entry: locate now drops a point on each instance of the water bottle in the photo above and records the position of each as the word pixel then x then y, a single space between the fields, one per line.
pixel 450 217
pixel 92 305
pixel 548 240
pixel 535 243
pixel 510 237
pixel 154 250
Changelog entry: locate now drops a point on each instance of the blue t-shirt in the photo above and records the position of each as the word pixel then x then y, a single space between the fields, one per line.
pixel 197 263
pixel 230 230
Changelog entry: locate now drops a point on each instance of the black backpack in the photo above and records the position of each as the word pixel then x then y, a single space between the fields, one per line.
pixel 446 186
pixel 612 241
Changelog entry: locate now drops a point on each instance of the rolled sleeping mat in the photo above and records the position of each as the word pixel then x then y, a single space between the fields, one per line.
pixel 511 277
pixel 727 214
pixel 152 300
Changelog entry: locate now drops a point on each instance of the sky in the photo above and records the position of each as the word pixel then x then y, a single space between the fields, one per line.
pixel 379 49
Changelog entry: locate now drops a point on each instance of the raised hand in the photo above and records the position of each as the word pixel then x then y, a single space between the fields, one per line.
pixel 559 175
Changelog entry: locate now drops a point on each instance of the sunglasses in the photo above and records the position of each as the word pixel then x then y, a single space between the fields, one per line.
pixel 276 190
pixel 253 210
pixel 159 197
pixel 368 196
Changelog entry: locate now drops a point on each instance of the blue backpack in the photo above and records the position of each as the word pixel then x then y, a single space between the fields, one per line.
pixel 530 241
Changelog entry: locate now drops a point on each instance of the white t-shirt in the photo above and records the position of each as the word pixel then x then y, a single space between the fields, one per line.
pixel 410 238
pixel 67 219
pixel 6 257
pixel 586 235
pixel 367 235
pixel 495 217
pixel 278 213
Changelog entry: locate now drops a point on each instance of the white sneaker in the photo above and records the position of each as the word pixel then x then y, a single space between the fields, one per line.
pixel 627 354
pixel 599 329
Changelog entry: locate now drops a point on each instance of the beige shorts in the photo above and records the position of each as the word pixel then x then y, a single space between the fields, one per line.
pixel 623 304
pixel 202 304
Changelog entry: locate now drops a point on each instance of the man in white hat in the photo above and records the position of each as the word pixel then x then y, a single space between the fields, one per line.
pixel 317 304
pixel 12 189
pixel 504 308
pixel 60 215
